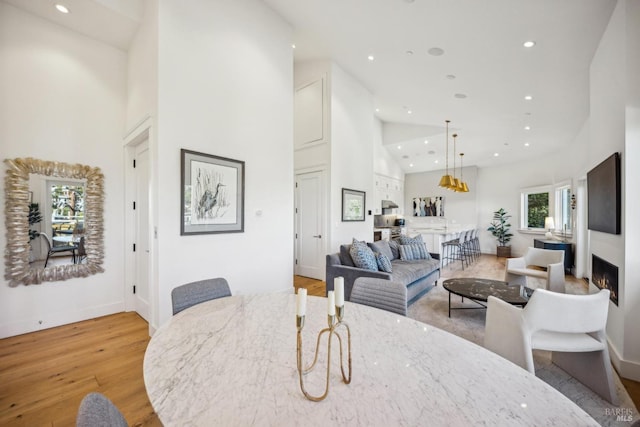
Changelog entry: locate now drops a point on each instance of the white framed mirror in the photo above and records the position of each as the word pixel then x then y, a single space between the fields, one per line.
pixel 80 179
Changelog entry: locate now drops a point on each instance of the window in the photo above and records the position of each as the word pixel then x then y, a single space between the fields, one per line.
pixel 66 200
pixel 537 203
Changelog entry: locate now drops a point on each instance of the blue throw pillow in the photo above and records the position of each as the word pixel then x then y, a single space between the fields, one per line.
pixel 384 264
pixel 406 240
pixel 363 256
pixel 414 251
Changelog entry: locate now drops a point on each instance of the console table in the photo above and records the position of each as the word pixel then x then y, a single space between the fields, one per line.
pixel 557 245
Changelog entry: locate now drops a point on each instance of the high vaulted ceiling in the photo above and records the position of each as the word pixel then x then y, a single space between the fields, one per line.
pixel 483 59
pixel 479 81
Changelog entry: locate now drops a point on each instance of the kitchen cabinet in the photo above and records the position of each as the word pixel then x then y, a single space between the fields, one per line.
pixel 387 188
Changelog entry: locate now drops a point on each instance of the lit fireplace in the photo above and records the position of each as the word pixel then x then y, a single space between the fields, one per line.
pixel 605 276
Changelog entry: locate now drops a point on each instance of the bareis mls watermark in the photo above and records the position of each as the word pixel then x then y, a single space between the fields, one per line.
pixel 621 414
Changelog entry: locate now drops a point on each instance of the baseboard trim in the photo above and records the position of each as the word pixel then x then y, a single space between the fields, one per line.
pixel 625 368
pixel 58 319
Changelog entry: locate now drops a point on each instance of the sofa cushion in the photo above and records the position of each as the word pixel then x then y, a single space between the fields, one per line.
pixel 363 256
pixel 345 256
pixel 395 249
pixel 406 240
pixel 381 246
pixel 414 251
pixel 384 264
pixel 407 272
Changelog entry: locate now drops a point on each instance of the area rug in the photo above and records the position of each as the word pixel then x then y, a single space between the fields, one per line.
pixel 469 324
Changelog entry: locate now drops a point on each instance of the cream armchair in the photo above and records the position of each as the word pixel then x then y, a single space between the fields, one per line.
pixel 570 326
pixel 517 269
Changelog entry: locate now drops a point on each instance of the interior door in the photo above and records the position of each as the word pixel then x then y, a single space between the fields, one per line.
pixel 141 221
pixel 309 231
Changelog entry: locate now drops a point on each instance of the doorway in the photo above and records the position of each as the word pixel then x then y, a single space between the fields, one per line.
pixel 141 226
pixel 309 225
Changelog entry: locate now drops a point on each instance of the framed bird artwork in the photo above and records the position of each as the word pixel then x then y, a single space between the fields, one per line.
pixel 211 193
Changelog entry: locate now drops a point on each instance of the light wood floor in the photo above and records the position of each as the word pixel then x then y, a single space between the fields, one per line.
pixel 44 375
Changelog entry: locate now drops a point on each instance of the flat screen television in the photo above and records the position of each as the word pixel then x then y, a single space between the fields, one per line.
pixel 603 194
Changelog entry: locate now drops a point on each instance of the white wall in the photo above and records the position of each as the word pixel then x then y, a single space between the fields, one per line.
pixel 383 162
pixel 352 141
pixel 615 99
pixel 631 291
pixel 63 99
pixel 142 68
pixel 226 88
pixel 459 208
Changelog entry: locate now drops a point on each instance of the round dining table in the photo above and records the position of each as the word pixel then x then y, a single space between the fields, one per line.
pixel 232 362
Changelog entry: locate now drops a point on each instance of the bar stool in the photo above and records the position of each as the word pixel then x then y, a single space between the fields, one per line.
pixel 454 249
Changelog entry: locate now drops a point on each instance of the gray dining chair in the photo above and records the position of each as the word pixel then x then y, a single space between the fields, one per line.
pixel 51 249
pixel 193 293
pixel 96 410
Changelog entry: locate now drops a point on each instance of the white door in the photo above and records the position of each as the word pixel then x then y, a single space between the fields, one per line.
pixel 310 251
pixel 141 221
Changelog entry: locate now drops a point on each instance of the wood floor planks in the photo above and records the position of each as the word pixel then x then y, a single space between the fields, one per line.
pixel 44 375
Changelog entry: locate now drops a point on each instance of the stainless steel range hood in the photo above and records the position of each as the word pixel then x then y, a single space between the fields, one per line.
pixel 388 204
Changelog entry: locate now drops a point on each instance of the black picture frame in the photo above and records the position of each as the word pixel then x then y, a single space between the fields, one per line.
pixel 353 205
pixel 211 194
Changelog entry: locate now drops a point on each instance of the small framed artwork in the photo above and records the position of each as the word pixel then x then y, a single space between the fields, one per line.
pixel 211 194
pixel 353 203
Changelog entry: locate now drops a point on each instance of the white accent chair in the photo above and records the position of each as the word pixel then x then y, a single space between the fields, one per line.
pixel 572 327
pixel 517 269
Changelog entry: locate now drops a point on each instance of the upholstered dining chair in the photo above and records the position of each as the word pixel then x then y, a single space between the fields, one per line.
pixel 572 327
pixel 194 293
pixel 57 249
pixel 97 410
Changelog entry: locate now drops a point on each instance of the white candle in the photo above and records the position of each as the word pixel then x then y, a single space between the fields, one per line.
pixel 338 285
pixel 301 302
pixel 331 304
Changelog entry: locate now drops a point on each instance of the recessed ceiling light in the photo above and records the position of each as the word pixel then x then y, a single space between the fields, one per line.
pixel 377 110
pixel 399 147
pixel 529 43
pixel 409 52
pixel 460 95
pixel 293 46
pixel 410 165
pixel 435 51
pixel 528 97
pixel 526 144
pixel 62 8
pixel 405 156
pixel 431 152
pixel 496 154
pixel 426 141
pixel 409 1
pixel 409 112
pixel 450 77
pixel 436 161
pixel 370 57
pixel 527 128
pixel 506 143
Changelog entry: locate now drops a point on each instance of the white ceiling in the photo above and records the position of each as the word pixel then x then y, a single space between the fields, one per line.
pixel 483 48
pixel 482 43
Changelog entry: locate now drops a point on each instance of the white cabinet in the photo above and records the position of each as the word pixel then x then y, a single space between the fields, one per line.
pixel 387 188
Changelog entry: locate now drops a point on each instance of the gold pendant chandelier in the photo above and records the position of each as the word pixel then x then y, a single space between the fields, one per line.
pixel 447 181
pixel 464 187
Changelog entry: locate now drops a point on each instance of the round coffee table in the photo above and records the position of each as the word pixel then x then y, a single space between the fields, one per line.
pixel 479 290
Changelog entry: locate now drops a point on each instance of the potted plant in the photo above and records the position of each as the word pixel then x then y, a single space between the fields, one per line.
pixel 35 217
pixel 499 228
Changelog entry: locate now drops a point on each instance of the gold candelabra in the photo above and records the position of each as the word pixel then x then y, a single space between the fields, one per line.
pixel 332 330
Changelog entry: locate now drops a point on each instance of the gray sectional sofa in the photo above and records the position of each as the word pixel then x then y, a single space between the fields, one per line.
pixel 417 276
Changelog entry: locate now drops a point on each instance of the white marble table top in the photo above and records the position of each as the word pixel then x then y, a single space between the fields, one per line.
pixel 232 361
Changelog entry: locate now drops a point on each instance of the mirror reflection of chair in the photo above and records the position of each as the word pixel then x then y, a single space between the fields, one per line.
pixel 572 327
pixel 194 293
pixel 57 249
pixel 97 410
pixel 81 255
